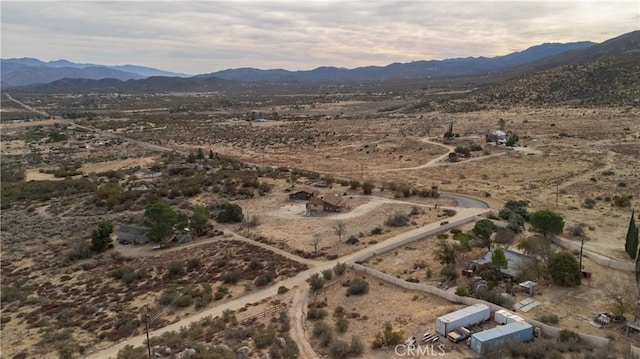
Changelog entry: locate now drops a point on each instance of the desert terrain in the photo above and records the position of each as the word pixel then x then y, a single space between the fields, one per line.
pixel 97 158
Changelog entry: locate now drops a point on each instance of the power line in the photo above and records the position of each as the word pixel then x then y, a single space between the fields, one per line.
pixel 184 292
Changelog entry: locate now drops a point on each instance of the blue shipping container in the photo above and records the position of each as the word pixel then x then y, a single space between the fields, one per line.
pixel 515 331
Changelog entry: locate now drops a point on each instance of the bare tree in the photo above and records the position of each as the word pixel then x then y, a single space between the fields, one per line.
pixel 576 230
pixel 537 247
pixel 78 248
pixel 339 228
pixel 252 222
pixel 620 300
pixel 316 242
pixel 505 236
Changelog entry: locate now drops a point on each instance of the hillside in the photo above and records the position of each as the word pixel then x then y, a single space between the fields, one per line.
pixel 397 71
pixel 624 45
pixel 607 82
pixel 156 84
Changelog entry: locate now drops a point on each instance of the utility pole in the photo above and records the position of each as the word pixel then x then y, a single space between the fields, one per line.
pixel 145 313
pixel 557 193
pixel 581 246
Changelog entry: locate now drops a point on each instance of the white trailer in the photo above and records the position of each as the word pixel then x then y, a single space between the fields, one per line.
pixel 504 316
pixel 501 316
pixel 468 316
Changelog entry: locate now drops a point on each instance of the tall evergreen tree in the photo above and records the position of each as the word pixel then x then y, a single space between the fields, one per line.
pixel 638 270
pixel 631 243
pixel 101 236
pixel 160 217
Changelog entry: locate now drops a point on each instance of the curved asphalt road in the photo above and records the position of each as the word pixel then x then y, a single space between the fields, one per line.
pixel 465 201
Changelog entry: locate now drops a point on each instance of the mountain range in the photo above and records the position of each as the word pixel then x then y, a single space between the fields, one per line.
pixel 28 71
pixel 398 71
pixel 615 59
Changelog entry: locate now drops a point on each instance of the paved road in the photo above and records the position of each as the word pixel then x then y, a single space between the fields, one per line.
pixel 465 201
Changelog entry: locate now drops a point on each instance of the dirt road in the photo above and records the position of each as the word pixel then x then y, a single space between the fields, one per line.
pixel 27 107
pixel 464 215
pixel 104 133
pixel 297 316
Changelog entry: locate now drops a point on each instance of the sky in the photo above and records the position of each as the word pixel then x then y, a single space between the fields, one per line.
pixel 207 36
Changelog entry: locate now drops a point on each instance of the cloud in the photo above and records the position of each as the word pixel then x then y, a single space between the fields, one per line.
pixel 199 37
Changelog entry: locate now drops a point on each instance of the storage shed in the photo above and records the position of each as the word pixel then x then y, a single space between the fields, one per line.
pixel 470 315
pixel 516 331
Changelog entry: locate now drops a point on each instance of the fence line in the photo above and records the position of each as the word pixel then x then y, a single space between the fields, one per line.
pixel 595 257
pixel 278 308
pixel 452 297
pixel 418 236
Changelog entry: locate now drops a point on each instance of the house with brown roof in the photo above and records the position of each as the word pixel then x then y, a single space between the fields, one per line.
pixel 329 203
pixel 304 193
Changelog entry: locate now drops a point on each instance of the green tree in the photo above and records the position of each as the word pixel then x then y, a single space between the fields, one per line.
pixel 631 243
pixel 200 154
pixel 230 213
pixel 546 223
pixel 200 219
pixel 160 218
pixel 182 220
pixel 464 151
pixel 518 207
pixel 449 134
pixel 464 243
pixel 101 236
pixel 516 223
pixel 445 252
pixel 564 269
pixel 512 140
pixel 489 272
pixel 191 158
pixel 499 259
pixel 483 230
pixel 211 154
pixel 316 282
pixel 387 338
pixel 367 187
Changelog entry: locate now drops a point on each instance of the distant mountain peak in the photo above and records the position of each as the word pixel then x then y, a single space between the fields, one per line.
pixel 26 70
